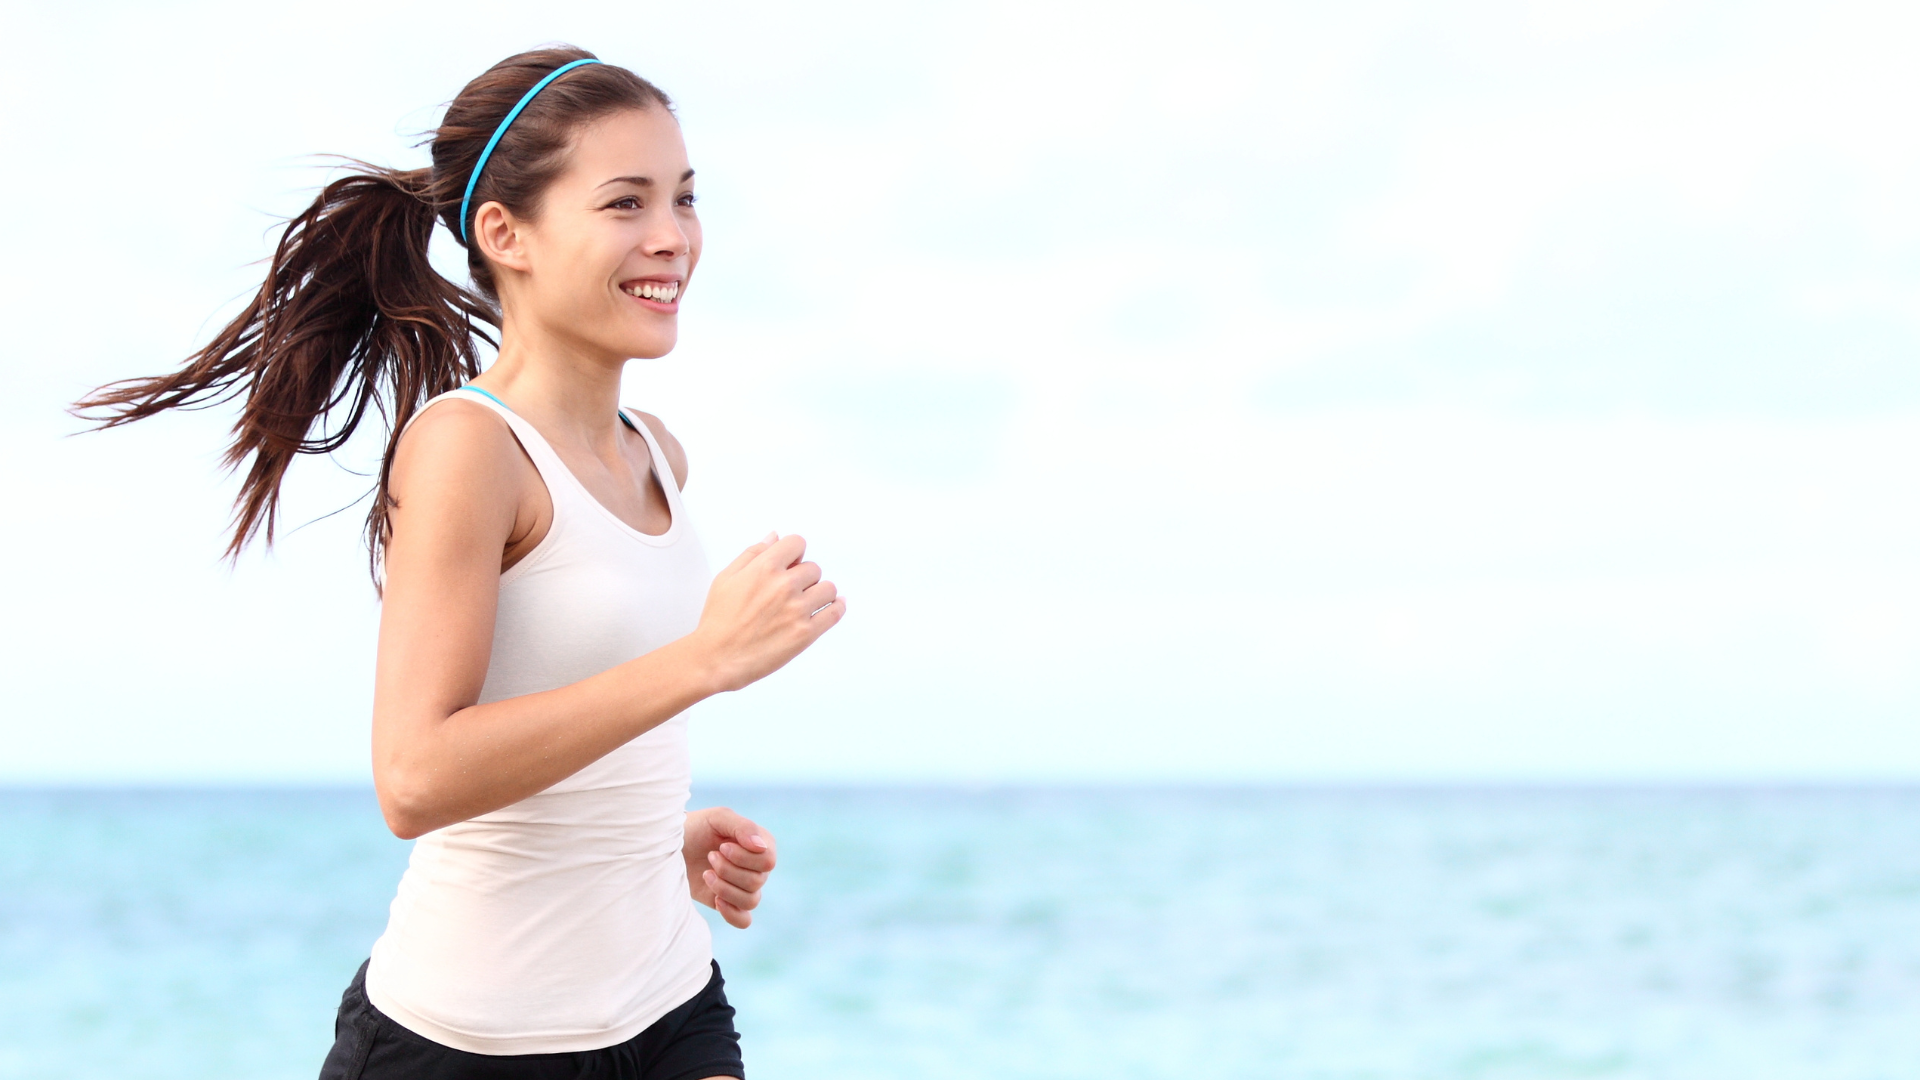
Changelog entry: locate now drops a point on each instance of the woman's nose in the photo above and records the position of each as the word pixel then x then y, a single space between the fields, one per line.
pixel 667 239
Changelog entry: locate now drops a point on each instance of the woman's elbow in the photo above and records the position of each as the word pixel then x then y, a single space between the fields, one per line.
pixel 403 806
pixel 405 827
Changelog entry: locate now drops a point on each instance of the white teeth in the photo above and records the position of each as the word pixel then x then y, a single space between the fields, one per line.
pixel 661 291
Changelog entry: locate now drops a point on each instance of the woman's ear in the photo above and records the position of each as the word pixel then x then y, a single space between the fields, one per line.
pixel 498 236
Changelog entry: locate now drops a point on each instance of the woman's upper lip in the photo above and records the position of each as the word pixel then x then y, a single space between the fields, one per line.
pixel 661 279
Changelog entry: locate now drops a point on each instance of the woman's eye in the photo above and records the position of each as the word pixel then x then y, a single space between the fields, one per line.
pixel 628 203
pixel 689 199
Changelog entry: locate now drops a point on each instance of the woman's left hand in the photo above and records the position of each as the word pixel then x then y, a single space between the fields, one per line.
pixel 728 860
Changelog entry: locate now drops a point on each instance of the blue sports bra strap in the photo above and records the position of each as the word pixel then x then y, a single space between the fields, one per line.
pixel 488 396
pixel 617 412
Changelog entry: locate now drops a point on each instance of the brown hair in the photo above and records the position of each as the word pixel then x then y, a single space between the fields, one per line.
pixel 352 316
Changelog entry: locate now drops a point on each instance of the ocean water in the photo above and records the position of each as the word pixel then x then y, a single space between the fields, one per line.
pixel 1693 934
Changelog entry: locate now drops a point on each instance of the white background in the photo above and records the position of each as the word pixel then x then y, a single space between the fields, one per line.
pixel 1180 392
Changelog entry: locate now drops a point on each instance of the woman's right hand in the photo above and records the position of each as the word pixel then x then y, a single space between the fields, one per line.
pixel 764 609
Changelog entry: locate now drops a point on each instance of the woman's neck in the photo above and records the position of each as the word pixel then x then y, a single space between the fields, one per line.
pixel 561 388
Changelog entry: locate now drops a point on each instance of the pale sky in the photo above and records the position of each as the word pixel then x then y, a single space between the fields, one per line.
pixel 1262 392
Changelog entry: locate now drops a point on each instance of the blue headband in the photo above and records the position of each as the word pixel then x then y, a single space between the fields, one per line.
pixel 502 130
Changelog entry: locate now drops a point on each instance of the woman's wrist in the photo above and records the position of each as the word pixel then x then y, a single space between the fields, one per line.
pixel 700 663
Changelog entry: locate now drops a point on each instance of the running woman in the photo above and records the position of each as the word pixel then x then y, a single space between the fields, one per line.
pixel 547 613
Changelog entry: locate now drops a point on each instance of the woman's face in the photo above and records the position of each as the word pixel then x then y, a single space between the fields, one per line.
pixel 605 261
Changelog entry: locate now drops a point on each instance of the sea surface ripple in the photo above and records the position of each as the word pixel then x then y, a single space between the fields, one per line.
pixel 1424 934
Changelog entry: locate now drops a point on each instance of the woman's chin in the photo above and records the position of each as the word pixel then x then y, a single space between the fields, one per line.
pixel 647 339
pixel 652 346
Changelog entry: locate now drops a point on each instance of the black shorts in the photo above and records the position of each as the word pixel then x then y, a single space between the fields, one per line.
pixel 694 1041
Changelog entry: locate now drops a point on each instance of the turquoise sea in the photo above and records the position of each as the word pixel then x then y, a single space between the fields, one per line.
pixel 1335 933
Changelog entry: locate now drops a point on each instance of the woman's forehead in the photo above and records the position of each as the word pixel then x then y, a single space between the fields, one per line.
pixel 635 146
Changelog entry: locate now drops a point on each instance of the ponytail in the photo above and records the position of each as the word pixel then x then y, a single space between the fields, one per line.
pixel 352 316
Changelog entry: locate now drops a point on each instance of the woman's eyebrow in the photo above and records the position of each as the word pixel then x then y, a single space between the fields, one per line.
pixel 644 181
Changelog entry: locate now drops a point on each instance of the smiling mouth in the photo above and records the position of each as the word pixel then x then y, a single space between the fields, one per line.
pixel 660 292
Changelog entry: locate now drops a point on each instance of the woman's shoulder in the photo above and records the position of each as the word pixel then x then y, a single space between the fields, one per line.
pixel 670 446
pixel 457 437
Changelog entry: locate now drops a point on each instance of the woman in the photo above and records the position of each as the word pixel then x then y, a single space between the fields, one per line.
pixel 547 613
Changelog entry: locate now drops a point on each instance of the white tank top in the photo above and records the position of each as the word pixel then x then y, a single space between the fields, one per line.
pixel 563 922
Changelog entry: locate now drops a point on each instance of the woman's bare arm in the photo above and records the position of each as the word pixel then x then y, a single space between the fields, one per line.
pixel 459 479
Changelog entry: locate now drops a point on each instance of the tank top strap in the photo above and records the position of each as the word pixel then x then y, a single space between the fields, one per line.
pixel 553 472
pixel 545 458
pixel 662 469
